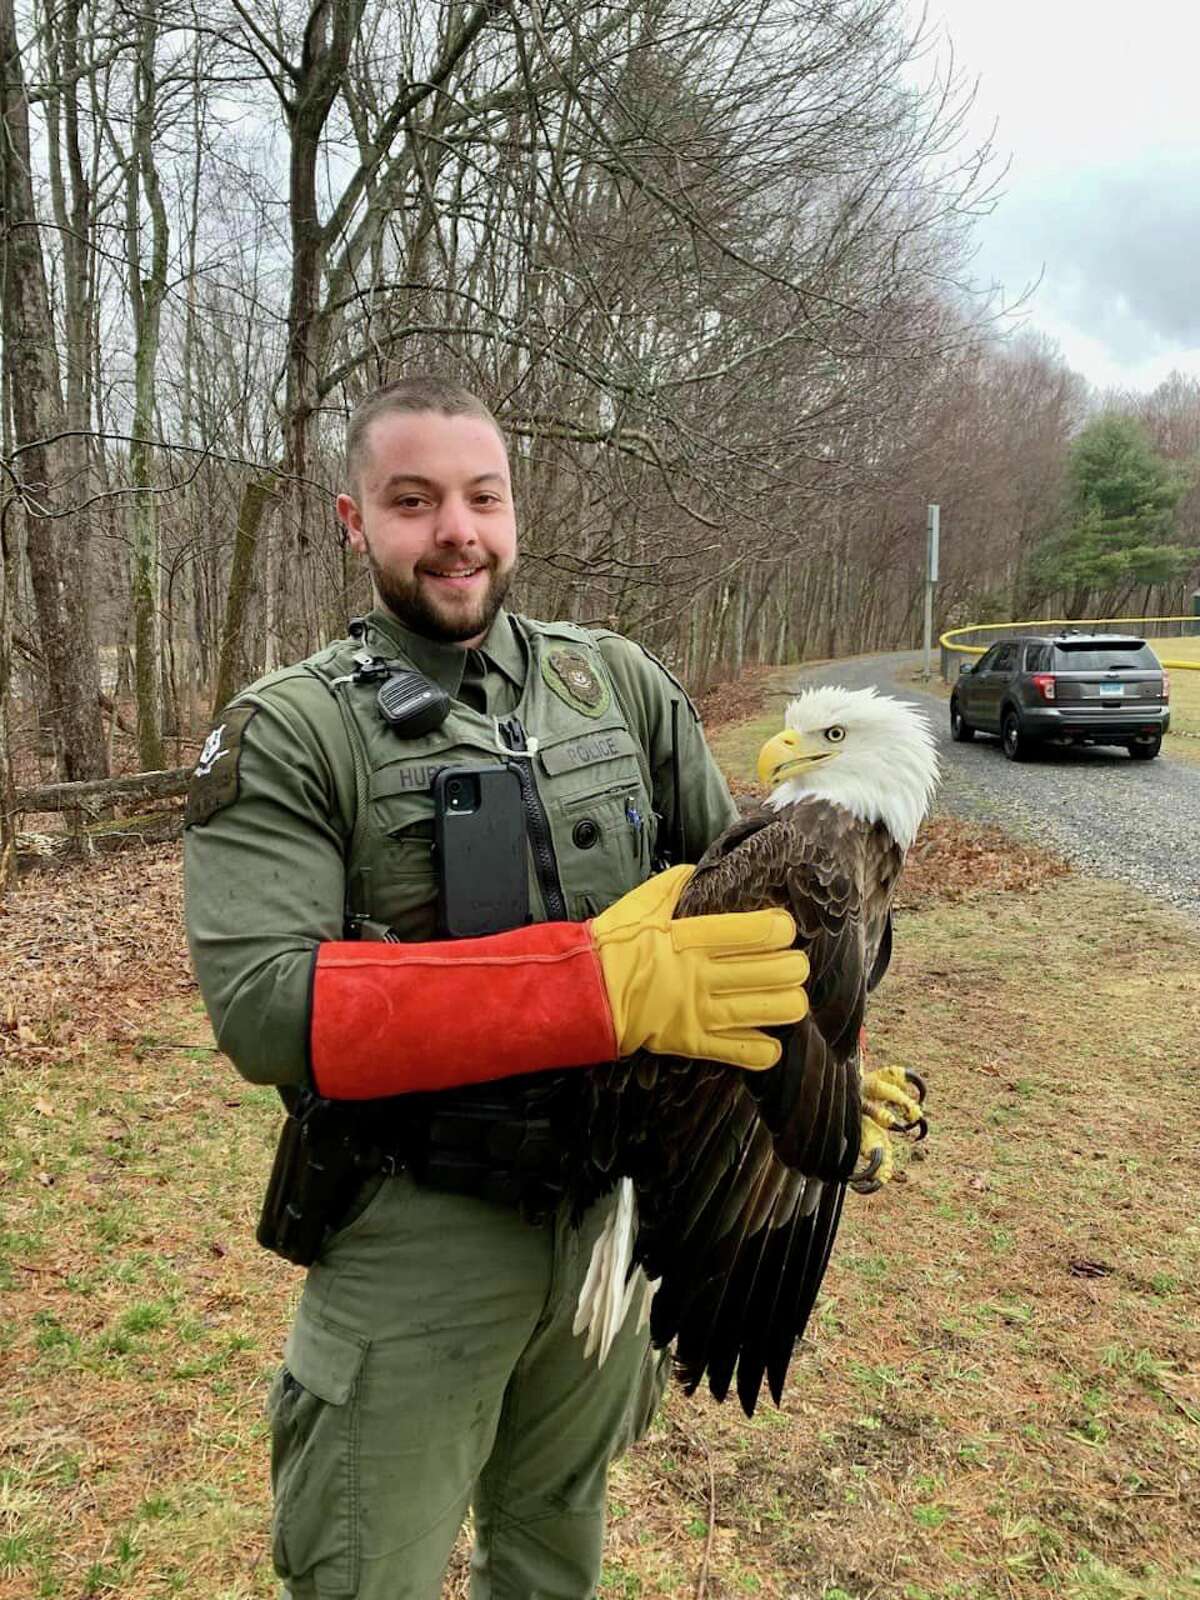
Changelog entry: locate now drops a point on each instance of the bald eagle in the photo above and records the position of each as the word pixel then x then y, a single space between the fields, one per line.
pixel 730 1184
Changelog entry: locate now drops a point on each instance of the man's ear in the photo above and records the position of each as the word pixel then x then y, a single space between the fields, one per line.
pixel 350 518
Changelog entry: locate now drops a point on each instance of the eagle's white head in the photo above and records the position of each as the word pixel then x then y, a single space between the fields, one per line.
pixel 864 751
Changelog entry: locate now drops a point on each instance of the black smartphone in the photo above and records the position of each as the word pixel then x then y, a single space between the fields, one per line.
pixel 480 851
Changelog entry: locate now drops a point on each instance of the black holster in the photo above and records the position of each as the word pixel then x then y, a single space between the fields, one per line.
pixel 324 1154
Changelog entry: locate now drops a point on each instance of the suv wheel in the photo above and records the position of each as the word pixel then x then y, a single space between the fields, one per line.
pixel 1146 749
pixel 1017 744
pixel 961 731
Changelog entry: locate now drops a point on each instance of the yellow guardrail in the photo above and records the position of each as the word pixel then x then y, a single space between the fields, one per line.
pixel 950 646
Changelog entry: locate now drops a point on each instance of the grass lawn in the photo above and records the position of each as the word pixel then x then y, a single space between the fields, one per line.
pixel 1002 1395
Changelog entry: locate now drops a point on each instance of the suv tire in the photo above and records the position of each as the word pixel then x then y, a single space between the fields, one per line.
pixel 1145 749
pixel 961 730
pixel 1017 744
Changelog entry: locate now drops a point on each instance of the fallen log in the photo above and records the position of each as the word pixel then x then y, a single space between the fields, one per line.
pixel 33 850
pixel 93 794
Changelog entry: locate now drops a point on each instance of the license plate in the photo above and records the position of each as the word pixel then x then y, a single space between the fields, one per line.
pixel 1111 691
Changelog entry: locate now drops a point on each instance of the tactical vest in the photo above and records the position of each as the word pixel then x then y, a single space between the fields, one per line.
pixel 592 834
pixel 589 813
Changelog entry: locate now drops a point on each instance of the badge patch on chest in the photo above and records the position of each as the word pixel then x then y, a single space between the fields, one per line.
pixel 574 679
pixel 215 777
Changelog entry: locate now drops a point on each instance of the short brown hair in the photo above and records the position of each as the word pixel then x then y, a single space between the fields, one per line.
pixel 423 393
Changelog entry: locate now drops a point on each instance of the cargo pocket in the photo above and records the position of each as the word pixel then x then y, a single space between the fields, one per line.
pixel 314 1415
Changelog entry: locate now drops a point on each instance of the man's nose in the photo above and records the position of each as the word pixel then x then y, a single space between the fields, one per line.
pixel 455 525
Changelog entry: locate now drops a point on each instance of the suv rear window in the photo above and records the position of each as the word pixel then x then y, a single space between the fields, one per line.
pixel 1093 658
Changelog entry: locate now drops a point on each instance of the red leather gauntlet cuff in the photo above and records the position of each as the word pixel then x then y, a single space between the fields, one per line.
pixel 395 1018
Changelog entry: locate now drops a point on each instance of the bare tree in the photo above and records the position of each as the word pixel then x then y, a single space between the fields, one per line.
pixel 36 466
pixel 700 256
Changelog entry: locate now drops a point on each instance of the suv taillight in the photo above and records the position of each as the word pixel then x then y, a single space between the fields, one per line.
pixel 1043 682
pixel 1166 686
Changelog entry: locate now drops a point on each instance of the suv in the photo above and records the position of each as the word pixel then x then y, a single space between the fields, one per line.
pixel 1082 688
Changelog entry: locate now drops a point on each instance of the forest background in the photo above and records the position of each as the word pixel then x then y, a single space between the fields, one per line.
pixel 709 262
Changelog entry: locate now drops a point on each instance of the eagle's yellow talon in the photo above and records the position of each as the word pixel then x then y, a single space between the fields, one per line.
pixel 888 1108
pixel 883 1096
pixel 876 1157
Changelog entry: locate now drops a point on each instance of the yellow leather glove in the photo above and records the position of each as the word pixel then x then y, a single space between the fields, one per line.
pixel 698 986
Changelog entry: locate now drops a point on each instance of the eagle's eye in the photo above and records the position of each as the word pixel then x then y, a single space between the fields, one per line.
pixel 836 734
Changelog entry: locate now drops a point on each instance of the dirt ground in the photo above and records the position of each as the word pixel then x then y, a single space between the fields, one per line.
pixel 1001 1395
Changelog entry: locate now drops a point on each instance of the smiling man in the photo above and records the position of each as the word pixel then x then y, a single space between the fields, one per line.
pixel 432 1364
pixel 434 491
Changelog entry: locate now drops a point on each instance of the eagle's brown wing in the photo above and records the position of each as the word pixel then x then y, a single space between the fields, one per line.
pixel 740 1176
pixel 836 875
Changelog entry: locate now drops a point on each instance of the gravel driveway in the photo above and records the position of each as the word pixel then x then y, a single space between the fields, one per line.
pixel 1136 821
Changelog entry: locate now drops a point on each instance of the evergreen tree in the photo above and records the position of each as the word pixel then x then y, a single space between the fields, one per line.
pixel 1119 518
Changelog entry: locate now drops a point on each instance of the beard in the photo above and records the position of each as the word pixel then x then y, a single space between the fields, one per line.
pixel 411 603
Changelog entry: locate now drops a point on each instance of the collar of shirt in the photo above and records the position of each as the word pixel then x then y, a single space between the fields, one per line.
pixel 446 663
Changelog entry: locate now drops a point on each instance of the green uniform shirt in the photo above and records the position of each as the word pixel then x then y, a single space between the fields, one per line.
pixel 308 808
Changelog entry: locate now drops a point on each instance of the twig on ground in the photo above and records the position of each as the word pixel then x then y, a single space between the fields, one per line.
pixel 702 1580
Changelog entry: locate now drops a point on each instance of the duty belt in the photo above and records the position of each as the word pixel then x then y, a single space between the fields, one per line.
pixel 504 1142
pixel 497 1142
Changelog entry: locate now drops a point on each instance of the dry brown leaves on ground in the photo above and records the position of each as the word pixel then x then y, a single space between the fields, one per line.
pixel 737 700
pixel 88 950
pixel 954 860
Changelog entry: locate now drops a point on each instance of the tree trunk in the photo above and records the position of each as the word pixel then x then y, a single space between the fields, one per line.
pixel 256 499
pixel 7 776
pixel 146 295
pixel 55 546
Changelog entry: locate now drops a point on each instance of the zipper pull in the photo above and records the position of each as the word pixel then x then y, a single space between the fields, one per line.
pixel 512 739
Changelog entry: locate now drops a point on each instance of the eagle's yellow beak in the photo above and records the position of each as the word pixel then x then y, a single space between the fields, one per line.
pixel 787 754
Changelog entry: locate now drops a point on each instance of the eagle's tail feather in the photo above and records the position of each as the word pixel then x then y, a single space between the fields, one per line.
pixel 612 1281
pixel 709 1340
pixel 699 1249
pixel 788 1244
pixel 753 1295
pixel 804 1282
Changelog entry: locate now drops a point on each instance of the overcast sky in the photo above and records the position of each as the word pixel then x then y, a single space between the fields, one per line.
pixel 1098 109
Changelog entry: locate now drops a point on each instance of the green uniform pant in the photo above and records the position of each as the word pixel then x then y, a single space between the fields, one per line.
pixel 432 1366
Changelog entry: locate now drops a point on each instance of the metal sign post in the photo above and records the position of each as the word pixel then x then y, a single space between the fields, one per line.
pixel 933 526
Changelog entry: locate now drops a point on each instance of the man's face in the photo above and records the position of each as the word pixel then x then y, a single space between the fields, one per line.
pixel 434 517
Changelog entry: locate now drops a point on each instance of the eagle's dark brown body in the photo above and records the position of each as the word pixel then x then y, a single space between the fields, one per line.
pixel 740 1176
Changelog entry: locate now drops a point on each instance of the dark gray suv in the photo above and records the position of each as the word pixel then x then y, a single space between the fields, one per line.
pixel 1079 688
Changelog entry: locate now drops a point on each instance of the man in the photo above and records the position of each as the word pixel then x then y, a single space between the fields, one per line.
pixel 432 1364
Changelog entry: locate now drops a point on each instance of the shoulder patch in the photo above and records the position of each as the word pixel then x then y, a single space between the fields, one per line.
pixel 574 678
pixel 215 780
